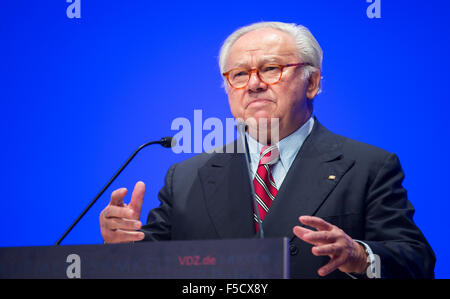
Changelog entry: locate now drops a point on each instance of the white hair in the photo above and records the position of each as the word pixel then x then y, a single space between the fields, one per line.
pixel 309 50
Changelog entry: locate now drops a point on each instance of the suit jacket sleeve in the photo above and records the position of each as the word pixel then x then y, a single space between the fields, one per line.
pixel 158 226
pixel 390 230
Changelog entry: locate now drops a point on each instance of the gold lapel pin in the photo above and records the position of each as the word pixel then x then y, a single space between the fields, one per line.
pixel 332 177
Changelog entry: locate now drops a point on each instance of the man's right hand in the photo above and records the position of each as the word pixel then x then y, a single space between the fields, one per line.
pixel 119 222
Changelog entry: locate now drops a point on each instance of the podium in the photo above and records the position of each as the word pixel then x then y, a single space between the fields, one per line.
pixel 206 259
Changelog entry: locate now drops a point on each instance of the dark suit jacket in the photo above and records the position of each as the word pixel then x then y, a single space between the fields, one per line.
pixel 208 197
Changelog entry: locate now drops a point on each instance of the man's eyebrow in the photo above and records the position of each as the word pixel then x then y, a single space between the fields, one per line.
pixel 264 60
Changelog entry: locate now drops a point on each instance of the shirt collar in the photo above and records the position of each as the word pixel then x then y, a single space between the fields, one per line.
pixel 288 146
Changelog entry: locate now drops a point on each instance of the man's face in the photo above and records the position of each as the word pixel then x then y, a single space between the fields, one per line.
pixel 287 100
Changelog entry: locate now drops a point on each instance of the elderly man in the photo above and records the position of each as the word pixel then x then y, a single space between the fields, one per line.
pixel 340 202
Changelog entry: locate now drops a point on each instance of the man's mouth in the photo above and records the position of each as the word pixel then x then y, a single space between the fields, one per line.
pixel 259 102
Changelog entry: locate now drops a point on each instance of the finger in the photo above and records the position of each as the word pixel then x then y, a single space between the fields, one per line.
pixel 122 236
pixel 331 266
pixel 118 212
pixel 320 237
pixel 137 198
pixel 123 224
pixel 327 249
pixel 316 222
pixel 117 196
pixel 301 231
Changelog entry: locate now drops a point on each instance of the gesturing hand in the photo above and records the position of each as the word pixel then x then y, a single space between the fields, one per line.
pixel 346 254
pixel 119 222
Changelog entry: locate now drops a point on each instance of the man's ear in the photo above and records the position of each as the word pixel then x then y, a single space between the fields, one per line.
pixel 226 87
pixel 313 84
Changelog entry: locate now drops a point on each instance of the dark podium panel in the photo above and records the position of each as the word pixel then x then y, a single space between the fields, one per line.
pixel 239 258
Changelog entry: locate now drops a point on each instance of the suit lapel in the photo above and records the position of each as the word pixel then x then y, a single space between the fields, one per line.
pixel 317 169
pixel 315 172
pixel 227 195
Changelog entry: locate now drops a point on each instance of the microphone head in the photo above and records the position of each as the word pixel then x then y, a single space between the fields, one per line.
pixel 168 142
pixel 241 126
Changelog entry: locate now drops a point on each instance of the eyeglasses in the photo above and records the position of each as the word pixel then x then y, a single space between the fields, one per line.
pixel 268 73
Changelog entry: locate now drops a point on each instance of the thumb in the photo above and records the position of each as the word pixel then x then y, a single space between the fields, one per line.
pixel 137 198
pixel 117 197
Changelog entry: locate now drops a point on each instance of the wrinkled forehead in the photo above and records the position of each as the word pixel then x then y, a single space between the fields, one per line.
pixel 261 46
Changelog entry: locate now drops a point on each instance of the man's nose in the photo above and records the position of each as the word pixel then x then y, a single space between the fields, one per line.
pixel 255 83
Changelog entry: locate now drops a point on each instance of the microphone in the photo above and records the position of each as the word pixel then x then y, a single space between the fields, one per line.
pixel 241 127
pixel 166 142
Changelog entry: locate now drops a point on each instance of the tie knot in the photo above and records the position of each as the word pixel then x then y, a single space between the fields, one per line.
pixel 269 155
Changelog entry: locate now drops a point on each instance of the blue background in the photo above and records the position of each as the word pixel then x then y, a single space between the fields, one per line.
pixel 79 95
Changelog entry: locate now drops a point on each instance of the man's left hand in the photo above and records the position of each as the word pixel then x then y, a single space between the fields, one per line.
pixel 345 253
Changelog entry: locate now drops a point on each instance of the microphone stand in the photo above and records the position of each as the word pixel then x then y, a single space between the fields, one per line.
pixel 241 127
pixel 165 142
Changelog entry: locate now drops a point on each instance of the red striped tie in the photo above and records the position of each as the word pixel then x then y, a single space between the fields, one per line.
pixel 265 188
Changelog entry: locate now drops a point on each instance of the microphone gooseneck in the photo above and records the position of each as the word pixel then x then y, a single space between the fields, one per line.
pixel 166 142
pixel 241 127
